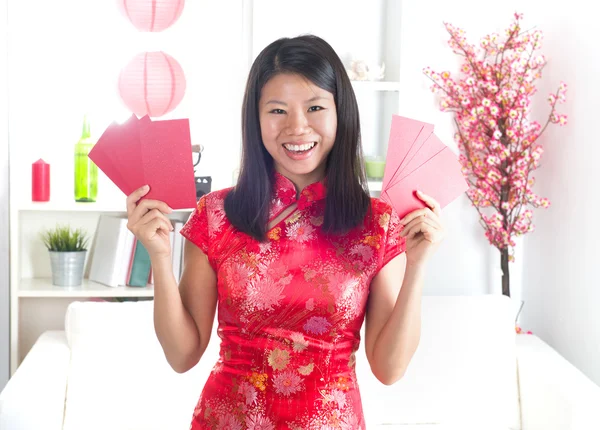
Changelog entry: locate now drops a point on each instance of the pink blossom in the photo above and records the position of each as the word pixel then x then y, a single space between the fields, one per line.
pixel 339 398
pixel 271 269
pixel 342 285
pixel 317 325
pixel 476 99
pixel 238 274
pixel 362 251
pixel 301 231
pixel 287 383
pixel 264 294
pixel 229 422
pixel 216 219
pixel 259 422
pixel 300 344
pixel 279 359
pixel 249 392
pixel 497 142
pixel 350 422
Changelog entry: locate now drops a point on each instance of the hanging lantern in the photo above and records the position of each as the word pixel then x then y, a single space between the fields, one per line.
pixel 152 15
pixel 153 84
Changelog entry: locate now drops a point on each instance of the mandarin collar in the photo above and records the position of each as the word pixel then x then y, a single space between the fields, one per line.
pixel 285 191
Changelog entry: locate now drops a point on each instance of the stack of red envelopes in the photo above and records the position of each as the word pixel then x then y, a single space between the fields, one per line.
pixel 157 153
pixel 418 160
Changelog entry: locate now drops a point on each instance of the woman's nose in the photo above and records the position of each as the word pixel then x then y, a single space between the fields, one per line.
pixel 297 124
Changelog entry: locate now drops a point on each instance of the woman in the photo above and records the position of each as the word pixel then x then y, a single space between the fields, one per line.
pixel 294 256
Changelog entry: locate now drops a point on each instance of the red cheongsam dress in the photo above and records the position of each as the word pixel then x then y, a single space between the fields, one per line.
pixel 290 312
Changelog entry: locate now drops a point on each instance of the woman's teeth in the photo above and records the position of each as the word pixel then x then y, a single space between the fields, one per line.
pixel 299 148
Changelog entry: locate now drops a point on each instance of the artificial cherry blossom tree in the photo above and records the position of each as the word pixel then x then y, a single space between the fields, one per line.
pixel 498 143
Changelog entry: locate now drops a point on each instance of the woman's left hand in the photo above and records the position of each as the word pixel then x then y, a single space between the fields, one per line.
pixel 423 230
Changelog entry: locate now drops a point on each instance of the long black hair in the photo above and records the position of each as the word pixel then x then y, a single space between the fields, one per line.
pixel 347 201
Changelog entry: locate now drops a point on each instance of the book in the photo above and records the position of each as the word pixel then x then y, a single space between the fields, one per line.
pixel 111 251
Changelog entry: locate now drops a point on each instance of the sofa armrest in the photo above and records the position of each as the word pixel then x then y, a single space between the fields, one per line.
pixel 554 393
pixel 34 397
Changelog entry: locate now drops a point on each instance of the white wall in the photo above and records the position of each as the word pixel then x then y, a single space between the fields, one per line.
pixel 4 210
pixel 65 58
pixel 559 260
pixel 561 284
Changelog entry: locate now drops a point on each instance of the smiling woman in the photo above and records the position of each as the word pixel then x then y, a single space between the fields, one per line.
pixel 298 122
pixel 295 258
pixel 298 94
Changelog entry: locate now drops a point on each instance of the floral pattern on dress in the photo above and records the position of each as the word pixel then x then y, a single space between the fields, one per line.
pixel 290 312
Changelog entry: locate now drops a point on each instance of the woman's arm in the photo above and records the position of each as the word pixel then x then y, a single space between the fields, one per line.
pixel 393 321
pixel 393 327
pixel 183 317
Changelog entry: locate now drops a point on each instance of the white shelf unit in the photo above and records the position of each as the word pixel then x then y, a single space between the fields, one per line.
pixel 368 31
pixel 36 304
pixel 73 206
pixel 43 287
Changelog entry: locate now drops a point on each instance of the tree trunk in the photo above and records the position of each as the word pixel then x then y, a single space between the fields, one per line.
pixel 505 272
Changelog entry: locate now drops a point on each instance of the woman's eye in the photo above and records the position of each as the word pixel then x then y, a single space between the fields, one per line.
pixel 278 111
pixel 315 108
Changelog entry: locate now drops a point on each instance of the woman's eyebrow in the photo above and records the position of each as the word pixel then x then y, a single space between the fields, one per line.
pixel 279 102
pixel 315 98
pixel 276 102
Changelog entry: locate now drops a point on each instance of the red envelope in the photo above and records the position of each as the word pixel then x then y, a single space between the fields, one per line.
pixel 426 151
pixel 168 162
pixel 121 145
pixel 404 133
pixel 417 148
pixel 104 160
pixel 419 162
pixel 157 153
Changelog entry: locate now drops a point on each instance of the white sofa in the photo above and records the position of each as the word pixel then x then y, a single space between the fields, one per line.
pixel 471 371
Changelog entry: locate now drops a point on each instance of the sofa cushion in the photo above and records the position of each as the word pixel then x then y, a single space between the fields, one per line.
pixel 119 377
pixel 463 375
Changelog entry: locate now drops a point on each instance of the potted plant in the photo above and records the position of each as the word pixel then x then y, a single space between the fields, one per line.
pixel 67 248
pixel 499 143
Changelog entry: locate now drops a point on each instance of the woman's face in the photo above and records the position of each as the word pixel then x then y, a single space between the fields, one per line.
pixel 298 122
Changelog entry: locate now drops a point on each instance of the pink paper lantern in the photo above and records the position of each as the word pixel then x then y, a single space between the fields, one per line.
pixel 152 83
pixel 152 15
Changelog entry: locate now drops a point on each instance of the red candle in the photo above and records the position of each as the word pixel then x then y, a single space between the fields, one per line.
pixel 40 181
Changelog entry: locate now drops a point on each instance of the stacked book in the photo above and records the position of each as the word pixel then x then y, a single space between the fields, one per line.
pixel 119 259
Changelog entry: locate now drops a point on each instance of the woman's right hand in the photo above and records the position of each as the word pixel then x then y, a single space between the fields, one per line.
pixel 148 222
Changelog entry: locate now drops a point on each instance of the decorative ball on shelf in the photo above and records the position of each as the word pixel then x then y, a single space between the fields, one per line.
pixel 152 83
pixel 151 15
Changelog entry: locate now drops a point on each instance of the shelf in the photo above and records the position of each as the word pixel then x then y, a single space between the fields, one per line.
pixel 375 185
pixel 42 287
pixel 72 206
pixel 376 85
